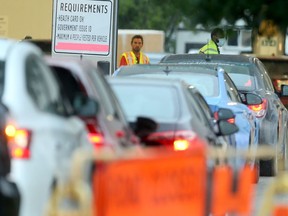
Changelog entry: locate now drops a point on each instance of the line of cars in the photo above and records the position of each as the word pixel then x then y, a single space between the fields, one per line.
pixel 41 129
pixel 250 75
pixel 181 113
pixel 52 109
pixel 218 90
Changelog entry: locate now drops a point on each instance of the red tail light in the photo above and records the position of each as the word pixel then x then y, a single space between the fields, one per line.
pixel 19 142
pixel 95 134
pixel 179 140
pixel 260 109
pixel 230 120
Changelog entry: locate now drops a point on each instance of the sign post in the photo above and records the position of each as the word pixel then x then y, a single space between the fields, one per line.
pixel 86 29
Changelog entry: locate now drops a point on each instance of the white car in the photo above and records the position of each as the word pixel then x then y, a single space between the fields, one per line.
pixel 42 131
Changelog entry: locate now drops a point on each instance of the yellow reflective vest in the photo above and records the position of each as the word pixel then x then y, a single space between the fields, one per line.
pixel 131 58
pixel 210 48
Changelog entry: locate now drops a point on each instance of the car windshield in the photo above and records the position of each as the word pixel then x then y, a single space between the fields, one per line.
pixel 156 102
pixel 207 84
pixel 2 72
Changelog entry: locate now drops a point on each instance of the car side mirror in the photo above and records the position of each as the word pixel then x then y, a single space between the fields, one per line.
pixel 225 114
pixel 251 98
pixel 225 126
pixel 144 126
pixel 85 106
pixel 284 90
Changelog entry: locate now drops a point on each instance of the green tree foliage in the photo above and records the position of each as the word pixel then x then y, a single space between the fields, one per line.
pixel 167 14
pixel 149 14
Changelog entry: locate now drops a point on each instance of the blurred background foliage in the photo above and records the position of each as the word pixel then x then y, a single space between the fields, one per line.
pixel 169 15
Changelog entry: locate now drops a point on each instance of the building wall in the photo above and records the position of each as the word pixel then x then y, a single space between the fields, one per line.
pixel 19 18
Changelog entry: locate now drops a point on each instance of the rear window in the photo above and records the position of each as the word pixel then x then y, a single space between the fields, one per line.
pixel 156 102
pixel 207 84
pixel 242 75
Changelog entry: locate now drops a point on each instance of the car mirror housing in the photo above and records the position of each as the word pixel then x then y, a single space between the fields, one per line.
pixel 284 90
pixel 227 128
pixel 251 99
pixel 225 114
pixel 144 126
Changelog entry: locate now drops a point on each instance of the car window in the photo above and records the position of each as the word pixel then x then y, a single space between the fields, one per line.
pixel 242 76
pixel 2 65
pixel 196 107
pixel 43 87
pixel 267 81
pixel 71 85
pixel 231 89
pixel 199 106
pixel 107 97
pixel 207 84
pixel 156 102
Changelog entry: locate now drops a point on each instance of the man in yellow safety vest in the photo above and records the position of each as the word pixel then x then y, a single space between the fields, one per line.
pixel 217 40
pixel 135 56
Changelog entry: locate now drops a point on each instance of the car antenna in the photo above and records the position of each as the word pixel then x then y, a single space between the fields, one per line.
pixel 167 70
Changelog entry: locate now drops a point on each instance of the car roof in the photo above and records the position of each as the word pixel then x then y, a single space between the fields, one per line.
pixel 270 57
pixel 5 45
pixel 186 58
pixel 165 68
pixel 146 80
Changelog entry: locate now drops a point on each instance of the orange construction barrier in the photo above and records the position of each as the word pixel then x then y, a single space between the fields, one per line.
pixel 280 211
pixel 169 183
pixel 156 181
pixel 232 192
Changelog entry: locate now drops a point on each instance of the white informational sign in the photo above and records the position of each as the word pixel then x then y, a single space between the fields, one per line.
pixel 82 27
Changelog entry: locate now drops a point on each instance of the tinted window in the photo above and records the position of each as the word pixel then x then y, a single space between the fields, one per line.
pixel 71 85
pixel 156 102
pixel 200 107
pixel 207 84
pixel 242 75
pixel 232 91
pixel 107 96
pixel 266 78
pixel 43 87
pixel 2 68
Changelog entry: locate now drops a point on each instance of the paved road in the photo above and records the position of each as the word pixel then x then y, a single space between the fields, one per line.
pixel 261 189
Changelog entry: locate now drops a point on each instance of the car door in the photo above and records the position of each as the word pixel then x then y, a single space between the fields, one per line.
pixel 113 113
pixel 283 113
pixel 65 131
pixel 200 112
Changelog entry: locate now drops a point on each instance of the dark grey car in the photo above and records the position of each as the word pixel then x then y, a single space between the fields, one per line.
pixel 250 75
pixel 179 109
